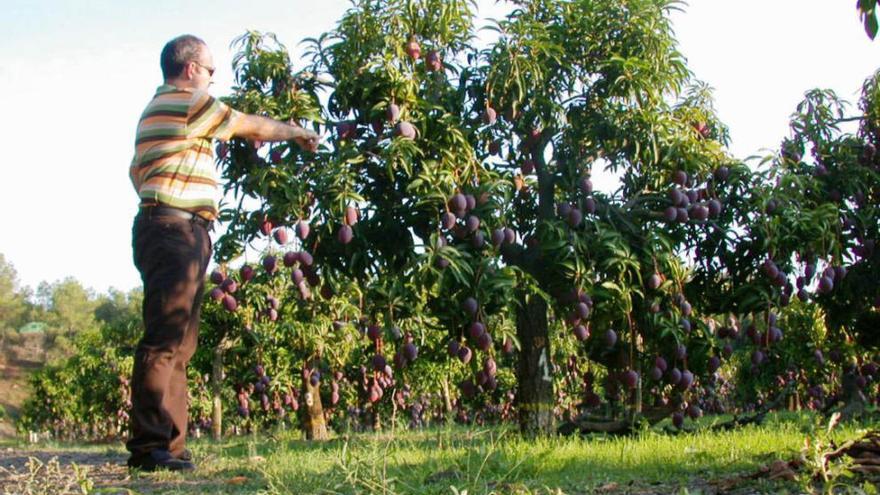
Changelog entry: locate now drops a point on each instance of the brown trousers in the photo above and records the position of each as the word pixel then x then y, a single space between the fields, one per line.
pixel 172 255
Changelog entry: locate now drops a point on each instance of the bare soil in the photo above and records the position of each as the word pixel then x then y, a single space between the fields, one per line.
pixel 17 363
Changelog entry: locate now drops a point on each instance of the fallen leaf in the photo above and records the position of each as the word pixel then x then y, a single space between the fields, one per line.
pixel 237 480
pixel 608 487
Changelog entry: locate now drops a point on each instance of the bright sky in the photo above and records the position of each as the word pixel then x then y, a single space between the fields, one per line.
pixel 75 75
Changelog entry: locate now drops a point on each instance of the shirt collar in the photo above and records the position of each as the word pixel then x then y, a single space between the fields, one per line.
pixel 168 88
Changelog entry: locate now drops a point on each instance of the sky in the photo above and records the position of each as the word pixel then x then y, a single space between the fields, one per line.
pixel 76 74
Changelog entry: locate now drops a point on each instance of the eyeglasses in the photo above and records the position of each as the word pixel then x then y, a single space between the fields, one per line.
pixel 209 69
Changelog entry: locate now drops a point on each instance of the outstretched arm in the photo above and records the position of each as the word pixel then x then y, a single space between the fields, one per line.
pixel 266 129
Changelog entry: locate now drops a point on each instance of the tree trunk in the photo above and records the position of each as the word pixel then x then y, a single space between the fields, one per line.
pixel 533 373
pixel 447 400
pixel 216 393
pixel 533 370
pixel 637 397
pixel 854 400
pixel 589 424
pixel 393 414
pixel 313 414
pixel 375 417
pixel 636 347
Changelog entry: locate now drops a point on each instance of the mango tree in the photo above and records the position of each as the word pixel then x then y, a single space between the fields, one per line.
pixel 815 233
pixel 277 341
pixel 370 213
pixel 455 194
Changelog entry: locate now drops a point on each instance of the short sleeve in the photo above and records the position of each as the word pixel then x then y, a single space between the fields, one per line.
pixel 210 118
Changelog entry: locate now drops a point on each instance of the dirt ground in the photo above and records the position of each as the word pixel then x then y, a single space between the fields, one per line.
pixel 44 471
pixel 52 472
pixel 16 365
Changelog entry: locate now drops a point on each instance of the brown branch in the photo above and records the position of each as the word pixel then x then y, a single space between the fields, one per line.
pixel 758 417
pixel 590 424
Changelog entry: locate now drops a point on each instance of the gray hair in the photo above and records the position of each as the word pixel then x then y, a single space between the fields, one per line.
pixel 178 52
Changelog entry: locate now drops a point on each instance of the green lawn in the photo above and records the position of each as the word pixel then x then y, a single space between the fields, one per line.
pixel 486 460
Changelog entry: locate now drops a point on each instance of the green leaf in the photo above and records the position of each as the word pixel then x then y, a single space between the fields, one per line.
pixel 871 24
pixel 612 286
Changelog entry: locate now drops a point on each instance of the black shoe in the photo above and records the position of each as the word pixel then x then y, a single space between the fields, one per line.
pixel 159 460
pixel 186 455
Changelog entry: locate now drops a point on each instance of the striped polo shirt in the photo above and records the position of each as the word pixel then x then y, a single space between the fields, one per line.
pixel 173 163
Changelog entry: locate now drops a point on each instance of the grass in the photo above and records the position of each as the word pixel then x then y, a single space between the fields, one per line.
pixel 459 460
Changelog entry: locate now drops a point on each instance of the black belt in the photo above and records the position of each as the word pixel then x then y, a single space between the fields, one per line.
pixel 167 211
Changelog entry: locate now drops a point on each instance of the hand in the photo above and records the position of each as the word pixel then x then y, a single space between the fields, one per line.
pixel 306 139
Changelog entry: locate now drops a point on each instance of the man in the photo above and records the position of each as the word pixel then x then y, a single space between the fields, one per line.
pixel 174 174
